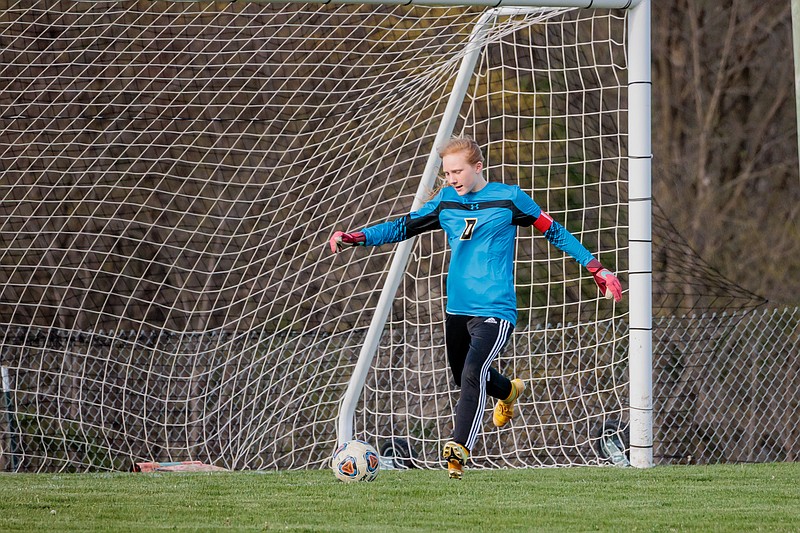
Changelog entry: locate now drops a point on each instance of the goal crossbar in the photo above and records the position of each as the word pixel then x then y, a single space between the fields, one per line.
pixel 583 4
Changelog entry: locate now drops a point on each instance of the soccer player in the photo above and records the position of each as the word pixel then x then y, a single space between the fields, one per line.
pixel 480 219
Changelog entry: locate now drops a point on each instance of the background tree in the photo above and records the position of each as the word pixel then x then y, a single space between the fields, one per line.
pixel 724 139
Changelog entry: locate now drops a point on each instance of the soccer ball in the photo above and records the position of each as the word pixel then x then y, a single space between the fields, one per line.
pixel 355 460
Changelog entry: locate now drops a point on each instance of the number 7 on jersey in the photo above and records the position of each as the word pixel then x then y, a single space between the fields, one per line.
pixel 469 228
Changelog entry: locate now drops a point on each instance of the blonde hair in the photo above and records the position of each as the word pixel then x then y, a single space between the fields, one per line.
pixel 455 145
pixel 462 144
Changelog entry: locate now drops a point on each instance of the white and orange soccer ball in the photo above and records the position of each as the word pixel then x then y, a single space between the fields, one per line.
pixel 355 460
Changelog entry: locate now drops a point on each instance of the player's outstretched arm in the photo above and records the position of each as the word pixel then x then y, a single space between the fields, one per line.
pixel 606 281
pixel 562 239
pixel 400 229
pixel 342 240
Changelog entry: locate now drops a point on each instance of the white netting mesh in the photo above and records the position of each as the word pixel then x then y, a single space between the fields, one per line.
pixel 171 175
pixel 548 106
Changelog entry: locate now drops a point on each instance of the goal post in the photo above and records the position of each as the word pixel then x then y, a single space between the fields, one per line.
pixel 640 238
pixel 404 249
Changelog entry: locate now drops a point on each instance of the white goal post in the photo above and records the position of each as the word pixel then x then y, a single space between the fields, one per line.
pixel 640 200
pixel 172 172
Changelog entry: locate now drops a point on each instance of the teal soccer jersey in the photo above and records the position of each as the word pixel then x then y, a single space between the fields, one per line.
pixel 481 228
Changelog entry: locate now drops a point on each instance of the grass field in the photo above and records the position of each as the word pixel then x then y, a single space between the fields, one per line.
pixel 764 497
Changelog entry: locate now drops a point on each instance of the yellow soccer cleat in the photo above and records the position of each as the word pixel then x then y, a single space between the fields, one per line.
pixel 456 456
pixel 504 409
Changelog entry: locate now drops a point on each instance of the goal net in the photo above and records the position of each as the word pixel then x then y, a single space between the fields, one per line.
pixel 171 174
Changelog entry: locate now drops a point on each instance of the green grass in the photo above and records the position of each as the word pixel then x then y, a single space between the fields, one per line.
pixel 762 497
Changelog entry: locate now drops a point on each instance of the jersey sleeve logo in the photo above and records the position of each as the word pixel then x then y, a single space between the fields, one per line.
pixel 469 228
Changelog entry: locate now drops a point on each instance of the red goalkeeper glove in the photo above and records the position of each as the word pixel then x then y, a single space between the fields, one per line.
pixel 341 240
pixel 606 281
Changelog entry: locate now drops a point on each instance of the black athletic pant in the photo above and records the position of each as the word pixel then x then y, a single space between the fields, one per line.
pixel 473 343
